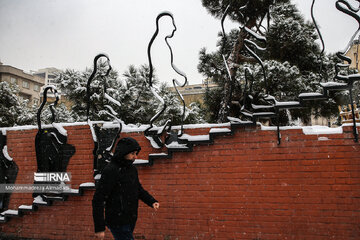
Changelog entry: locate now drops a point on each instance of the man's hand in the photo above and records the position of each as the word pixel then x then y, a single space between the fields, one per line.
pixel 156 205
pixel 100 235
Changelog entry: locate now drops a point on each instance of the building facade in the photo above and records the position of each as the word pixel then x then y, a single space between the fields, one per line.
pixel 29 84
pixel 195 92
pixel 49 75
pixel 353 53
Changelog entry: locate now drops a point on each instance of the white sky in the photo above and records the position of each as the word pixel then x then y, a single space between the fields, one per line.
pixel 35 34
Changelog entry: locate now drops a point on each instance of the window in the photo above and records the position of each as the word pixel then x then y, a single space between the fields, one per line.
pixel 13 80
pixel 26 84
pixel 36 88
pixel 36 101
pixel 24 97
pixel 42 75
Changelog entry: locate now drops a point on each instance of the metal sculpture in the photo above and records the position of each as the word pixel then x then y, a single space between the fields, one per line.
pixel 177 83
pixel 346 81
pixel 8 171
pixel 247 44
pixel 154 135
pixel 91 78
pixel 345 7
pixel 52 151
pixel 320 36
pixel 104 139
pixel 224 44
pixel 250 101
pixel 257 105
pixel 51 106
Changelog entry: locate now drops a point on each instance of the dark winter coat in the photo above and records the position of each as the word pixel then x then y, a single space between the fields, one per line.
pixel 119 190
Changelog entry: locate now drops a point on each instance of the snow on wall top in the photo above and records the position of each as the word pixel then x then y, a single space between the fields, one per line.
pixel 60 128
pixel 308 130
pixel 314 130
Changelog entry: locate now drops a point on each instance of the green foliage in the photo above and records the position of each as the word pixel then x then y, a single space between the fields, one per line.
pixel 73 84
pixel 212 99
pixel 255 8
pixel 291 61
pixel 137 102
pixel 62 114
pixel 291 39
pixel 13 111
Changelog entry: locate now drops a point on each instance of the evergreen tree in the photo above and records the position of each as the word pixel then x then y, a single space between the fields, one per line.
pixel 137 102
pixel 291 61
pixel 62 114
pixel 73 84
pixel 13 111
pixel 140 104
pixel 174 110
pixel 291 39
pixel 249 14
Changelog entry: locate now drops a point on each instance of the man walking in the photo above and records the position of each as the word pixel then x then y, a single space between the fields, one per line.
pixel 119 191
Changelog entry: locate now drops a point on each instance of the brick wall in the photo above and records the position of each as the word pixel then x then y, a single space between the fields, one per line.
pixel 243 186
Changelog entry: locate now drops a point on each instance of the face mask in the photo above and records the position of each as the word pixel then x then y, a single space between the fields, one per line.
pixel 125 162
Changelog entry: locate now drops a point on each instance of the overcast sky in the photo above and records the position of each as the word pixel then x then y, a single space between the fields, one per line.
pixel 64 34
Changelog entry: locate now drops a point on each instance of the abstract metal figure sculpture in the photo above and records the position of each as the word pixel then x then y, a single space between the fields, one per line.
pixel 272 107
pixel 224 44
pixel 91 78
pixel 247 42
pixel 51 106
pixel 345 7
pixel 320 36
pixel 104 139
pixel 153 135
pixel 8 171
pixel 256 105
pixel 110 111
pixel 248 45
pixel 52 151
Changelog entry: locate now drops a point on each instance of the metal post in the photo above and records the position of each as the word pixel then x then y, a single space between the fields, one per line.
pixel 278 127
pixel 353 117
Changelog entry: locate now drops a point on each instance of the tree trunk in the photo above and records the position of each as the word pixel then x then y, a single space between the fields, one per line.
pixel 233 61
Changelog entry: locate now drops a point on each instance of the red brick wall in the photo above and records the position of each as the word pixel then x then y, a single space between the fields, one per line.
pixel 243 186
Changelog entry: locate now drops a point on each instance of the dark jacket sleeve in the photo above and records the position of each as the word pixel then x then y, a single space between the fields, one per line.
pixel 146 197
pixel 102 193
